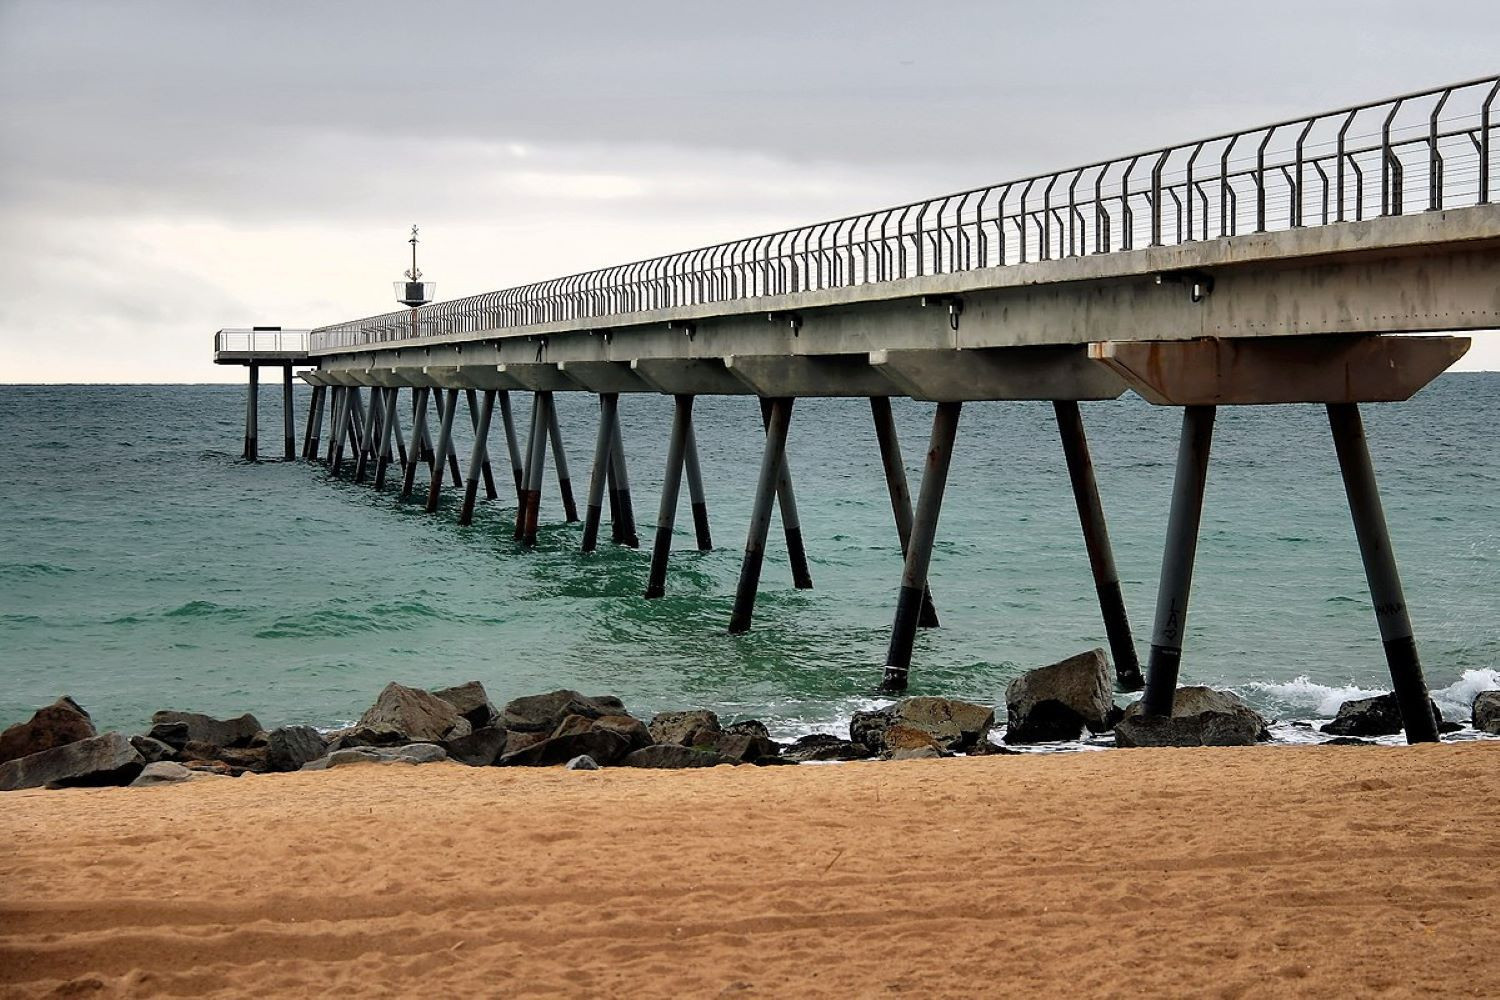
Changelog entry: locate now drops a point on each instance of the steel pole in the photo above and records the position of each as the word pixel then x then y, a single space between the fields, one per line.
pixel 900 492
pixel 336 425
pixel 919 551
pixel 772 460
pixel 536 470
pixel 288 418
pixel 444 450
pixel 418 433
pixel 314 414
pixel 387 430
pixel 252 414
pixel 479 458
pixel 484 464
pixel 624 527
pixel 564 480
pixel 1181 547
pixel 450 456
pixel 671 487
pixel 609 403
pixel 1381 574
pixel 524 498
pixel 508 421
pixel 791 524
pixel 695 492
pixel 366 439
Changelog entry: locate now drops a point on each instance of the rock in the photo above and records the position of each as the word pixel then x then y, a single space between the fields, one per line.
pixel 109 759
pixel 58 724
pixel 1200 717
pixel 698 727
pixel 289 747
pixel 472 702
pixel 1057 702
pixel 243 759
pixel 901 736
pixel 237 732
pixel 152 750
pixel 406 715
pixel 542 713
pixel 583 762
pixel 1348 741
pixel 1487 712
pixel 481 748
pixel 412 753
pixel 749 727
pixel 604 746
pixel 165 772
pixel 746 748
pixel 824 746
pixel 628 727
pixel 916 753
pixel 1377 716
pixel 673 755
pixel 953 725
pixel 988 748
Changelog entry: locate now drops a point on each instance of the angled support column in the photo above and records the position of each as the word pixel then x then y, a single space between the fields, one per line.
pixel 564 480
pixel 621 507
pixel 396 434
pixel 778 423
pixel 310 434
pixel 536 468
pixel 1096 540
pixel 609 405
pixel 444 450
pixel 1177 560
pixel 387 431
pixel 336 425
pixel 695 492
pixel 252 414
pixel 919 550
pixel 523 500
pixel 791 524
pixel 484 466
pixel 447 399
pixel 418 434
pixel 479 460
pixel 508 421
pixel 288 418
pixel 1380 572
pixel 896 486
pixel 671 487
pixel 367 436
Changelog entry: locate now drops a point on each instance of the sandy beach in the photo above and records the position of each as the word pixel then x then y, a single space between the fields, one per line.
pixel 1266 871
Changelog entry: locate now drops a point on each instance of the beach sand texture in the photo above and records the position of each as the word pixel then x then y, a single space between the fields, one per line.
pixel 1270 871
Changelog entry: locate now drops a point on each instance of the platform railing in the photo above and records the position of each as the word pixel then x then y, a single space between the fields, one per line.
pixel 1418 152
pixel 261 341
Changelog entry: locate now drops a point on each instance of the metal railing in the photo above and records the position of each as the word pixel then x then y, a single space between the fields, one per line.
pixel 261 341
pixel 1417 152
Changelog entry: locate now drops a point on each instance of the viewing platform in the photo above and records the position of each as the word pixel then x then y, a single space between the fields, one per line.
pixel 261 345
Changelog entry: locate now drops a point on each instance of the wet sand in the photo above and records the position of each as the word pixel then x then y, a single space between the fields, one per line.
pixel 1269 871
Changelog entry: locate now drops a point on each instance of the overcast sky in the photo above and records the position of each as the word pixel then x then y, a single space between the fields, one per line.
pixel 167 169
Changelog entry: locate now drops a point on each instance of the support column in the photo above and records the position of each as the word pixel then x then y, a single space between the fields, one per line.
pixel 1096 540
pixel 779 421
pixel 609 404
pixel 450 457
pixel 507 419
pixel 484 465
pixel 1381 574
pixel 671 487
pixel 396 434
pixel 536 468
pixel 695 492
pixel 564 481
pixel 791 524
pixel 1177 560
pixel 335 423
pixel 919 550
pixel 314 417
pixel 387 429
pixel 288 418
pixel 622 508
pixel 348 428
pixel 444 450
pixel 479 460
pixel 252 413
pixel 418 434
pixel 900 492
pixel 367 436
pixel 523 500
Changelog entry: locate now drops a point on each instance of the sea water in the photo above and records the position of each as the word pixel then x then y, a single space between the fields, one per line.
pixel 144 565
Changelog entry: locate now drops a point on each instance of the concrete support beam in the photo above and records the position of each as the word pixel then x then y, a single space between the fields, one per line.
pixel 689 377
pixel 605 376
pixel 540 377
pixel 810 375
pixel 1038 373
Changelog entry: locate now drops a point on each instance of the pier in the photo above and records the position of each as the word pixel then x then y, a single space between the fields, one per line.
pixel 1281 264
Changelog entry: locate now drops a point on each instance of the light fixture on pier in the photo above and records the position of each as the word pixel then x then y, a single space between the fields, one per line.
pixel 414 291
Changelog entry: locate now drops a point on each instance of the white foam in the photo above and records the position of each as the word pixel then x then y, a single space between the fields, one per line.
pixel 1457 699
pixel 1305 696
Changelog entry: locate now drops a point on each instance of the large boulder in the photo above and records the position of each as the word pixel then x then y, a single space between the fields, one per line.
pixel 480 748
pixel 746 748
pixel 412 753
pixel 1487 712
pixel 1200 717
pixel 407 715
pixel 165 772
pixel 628 727
pixel 674 755
pixel 178 728
pixel 604 746
pixel 110 759
pixel 953 725
pixel 1377 716
pixel 58 724
pixel 472 702
pixel 1059 701
pixel 825 747
pixel 153 750
pixel 698 727
pixel 541 713
pixel 289 747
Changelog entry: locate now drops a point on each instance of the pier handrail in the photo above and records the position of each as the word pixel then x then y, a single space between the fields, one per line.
pixel 1416 152
pixel 261 341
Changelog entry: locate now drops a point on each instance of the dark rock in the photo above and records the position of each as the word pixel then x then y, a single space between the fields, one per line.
pixel 583 762
pixel 542 713
pixel 673 755
pixel 99 760
pixel 953 725
pixel 746 748
pixel 1348 741
pixel 604 746
pixel 991 749
pixel 1058 701
pixel 823 746
pixel 237 732
pixel 901 736
pixel 1377 716
pixel 242 759
pixel 481 748
pixel 749 727
pixel 472 702
pixel 412 753
pixel 289 747
pixel 1444 726
pixel 1200 717
pixel 687 729
pixel 58 724
pixel 1487 712
pixel 152 750
pixel 628 727
pixel 165 772
pixel 406 715
pixel 916 753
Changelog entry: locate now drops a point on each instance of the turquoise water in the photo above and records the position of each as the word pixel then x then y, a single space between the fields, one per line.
pixel 145 566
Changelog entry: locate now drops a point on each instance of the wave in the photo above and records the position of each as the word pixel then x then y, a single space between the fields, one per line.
pixel 1323 700
pixel 32 571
